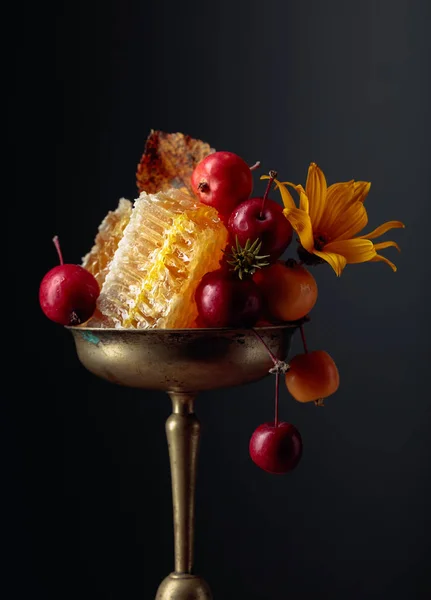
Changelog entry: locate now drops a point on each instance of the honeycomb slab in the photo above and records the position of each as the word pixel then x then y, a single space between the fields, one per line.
pixel 168 244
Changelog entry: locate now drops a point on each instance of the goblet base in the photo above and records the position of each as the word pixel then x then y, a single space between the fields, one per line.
pixel 183 586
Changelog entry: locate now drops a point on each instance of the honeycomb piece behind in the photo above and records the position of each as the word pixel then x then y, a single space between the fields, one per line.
pixel 109 234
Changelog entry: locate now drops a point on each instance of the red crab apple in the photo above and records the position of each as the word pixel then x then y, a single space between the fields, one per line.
pixel 224 300
pixel 68 293
pixel 222 180
pixel 276 448
pixel 263 219
pixel 268 224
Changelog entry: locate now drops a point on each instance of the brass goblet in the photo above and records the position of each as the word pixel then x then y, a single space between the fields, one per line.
pixel 183 363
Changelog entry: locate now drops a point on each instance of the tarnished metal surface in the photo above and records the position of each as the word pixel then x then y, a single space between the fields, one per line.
pixel 189 360
pixel 183 587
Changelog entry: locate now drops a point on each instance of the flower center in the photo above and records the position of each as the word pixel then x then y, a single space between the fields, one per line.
pixel 320 241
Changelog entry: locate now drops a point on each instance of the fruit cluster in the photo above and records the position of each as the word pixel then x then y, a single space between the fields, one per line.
pixel 252 285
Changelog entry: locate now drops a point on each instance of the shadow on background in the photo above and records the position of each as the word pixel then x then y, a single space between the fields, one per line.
pixel 85 465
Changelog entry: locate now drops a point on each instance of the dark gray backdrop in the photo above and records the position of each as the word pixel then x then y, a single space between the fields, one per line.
pixel 85 466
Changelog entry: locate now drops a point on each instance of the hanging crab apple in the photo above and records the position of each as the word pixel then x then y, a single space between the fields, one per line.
pixel 276 447
pixel 68 293
pixel 222 180
pixel 312 377
pixel 264 219
pixel 289 290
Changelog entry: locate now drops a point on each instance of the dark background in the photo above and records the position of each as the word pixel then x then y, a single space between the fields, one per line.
pixel 85 480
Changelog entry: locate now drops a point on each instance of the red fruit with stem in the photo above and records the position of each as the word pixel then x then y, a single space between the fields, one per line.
pixel 223 300
pixel 264 219
pixel 222 180
pixel 68 293
pixel 276 447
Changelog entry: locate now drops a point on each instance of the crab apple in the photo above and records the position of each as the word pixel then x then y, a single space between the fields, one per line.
pixel 263 219
pixel 312 376
pixel 224 300
pixel 276 449
pixel 68 293
pixel 289 290
pixel 222 180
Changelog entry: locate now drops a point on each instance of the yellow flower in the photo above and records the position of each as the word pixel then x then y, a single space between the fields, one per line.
pixel 328 218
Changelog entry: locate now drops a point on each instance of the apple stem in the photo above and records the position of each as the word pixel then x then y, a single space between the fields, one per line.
pixel 255 166
pixel 272 176
pixel 273 357
pixel 57 247
pixel 277 390
pixel 279 367
pixel 304 341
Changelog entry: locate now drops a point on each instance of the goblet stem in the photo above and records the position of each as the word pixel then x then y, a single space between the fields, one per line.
pixel 183 433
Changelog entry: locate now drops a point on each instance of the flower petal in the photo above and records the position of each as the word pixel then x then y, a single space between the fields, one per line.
pixel 315 189
pixel 383 245
pixel 348 223
pixel 286 196
pixel 354 251
pixel 336 261
pixel 303 199
pixel 301 223
pixel 361 189
pixel 380 258
pixel 338 198
pixel 304 203
pixel 383 229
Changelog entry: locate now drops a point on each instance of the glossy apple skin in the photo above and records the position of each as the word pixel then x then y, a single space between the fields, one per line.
pixel 222 180
pixel 276 450
pixel 289 290
pixel 249 222
pixel 312 376
pixel 223 300
pixel 68 294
